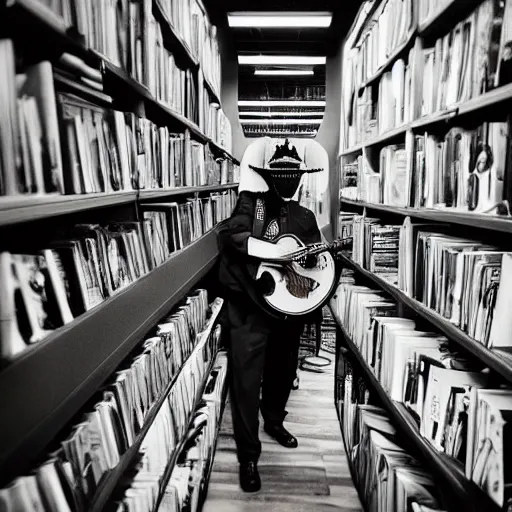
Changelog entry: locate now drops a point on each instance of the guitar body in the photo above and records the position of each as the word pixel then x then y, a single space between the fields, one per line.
pixel 284 300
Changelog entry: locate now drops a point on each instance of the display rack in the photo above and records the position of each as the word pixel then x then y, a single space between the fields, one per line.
pixel 47 385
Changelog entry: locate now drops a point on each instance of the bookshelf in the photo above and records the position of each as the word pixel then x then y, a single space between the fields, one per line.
pixel 450 473
pixel 47 386
pixel 415 140
pixel 115 75
pixel 495 359
pixel 87 354
pixel 112 478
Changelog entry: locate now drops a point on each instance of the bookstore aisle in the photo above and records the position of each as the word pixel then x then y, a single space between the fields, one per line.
pixel 313 477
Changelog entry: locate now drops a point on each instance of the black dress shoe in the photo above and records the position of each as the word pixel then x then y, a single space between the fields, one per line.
pixel 281 435
pixel 249 477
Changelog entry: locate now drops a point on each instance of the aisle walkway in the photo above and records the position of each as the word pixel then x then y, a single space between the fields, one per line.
pixel 313 477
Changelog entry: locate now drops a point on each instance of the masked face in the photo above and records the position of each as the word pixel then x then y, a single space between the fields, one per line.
pixel 285 183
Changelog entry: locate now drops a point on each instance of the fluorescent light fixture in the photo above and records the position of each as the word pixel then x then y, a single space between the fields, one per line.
pixel 313 19
pixel 280 121
pixel 281 103
pixel 280 60
pixel 281 114
pixel 283 72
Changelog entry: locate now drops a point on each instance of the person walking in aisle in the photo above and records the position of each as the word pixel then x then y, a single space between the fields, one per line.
pixel 262 345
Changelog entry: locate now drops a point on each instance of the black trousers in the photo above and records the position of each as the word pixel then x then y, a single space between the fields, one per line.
pixel 259 347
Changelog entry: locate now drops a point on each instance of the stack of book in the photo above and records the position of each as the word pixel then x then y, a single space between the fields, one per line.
pixel 187 483
pixel 169 227
pixel 388 478
pixel 70 476
pixel 105 150
pixel 465 170
pixel 375 247
pixel 47 288
pixel 172 85
pixel 181 423
pixel 387 30
pixel 207 48
pixel 213 122
pixel 470 60
pixel 346 229
pixel 451 399
pixel 463 280
pixel 359 180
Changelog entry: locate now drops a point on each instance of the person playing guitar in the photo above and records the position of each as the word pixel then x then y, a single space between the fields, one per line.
pixel 264 338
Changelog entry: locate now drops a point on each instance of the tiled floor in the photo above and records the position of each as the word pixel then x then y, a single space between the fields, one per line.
pixel 313 477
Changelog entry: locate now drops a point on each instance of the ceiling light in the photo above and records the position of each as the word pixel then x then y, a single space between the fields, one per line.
pixel 281 103
pixel 282 114
pixel 313 19
pixel 281 72
pixel 280 60
pixel 280 121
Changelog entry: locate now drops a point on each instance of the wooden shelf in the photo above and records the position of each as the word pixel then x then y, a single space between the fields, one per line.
pixel 16 209
pixel 86 354
pixel 494 359
pixel 472 498
pixel 147 195
pixel 488 100
pixel 391 59
pixel 473 220
pixel 111 479
pixel 170 34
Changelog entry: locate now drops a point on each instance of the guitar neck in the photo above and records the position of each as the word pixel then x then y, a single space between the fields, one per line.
pixel 314 249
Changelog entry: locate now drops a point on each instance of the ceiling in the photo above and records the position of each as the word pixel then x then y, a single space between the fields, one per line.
pixel 290 41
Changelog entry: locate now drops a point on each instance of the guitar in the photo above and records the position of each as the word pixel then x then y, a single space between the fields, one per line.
pixel 295 289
